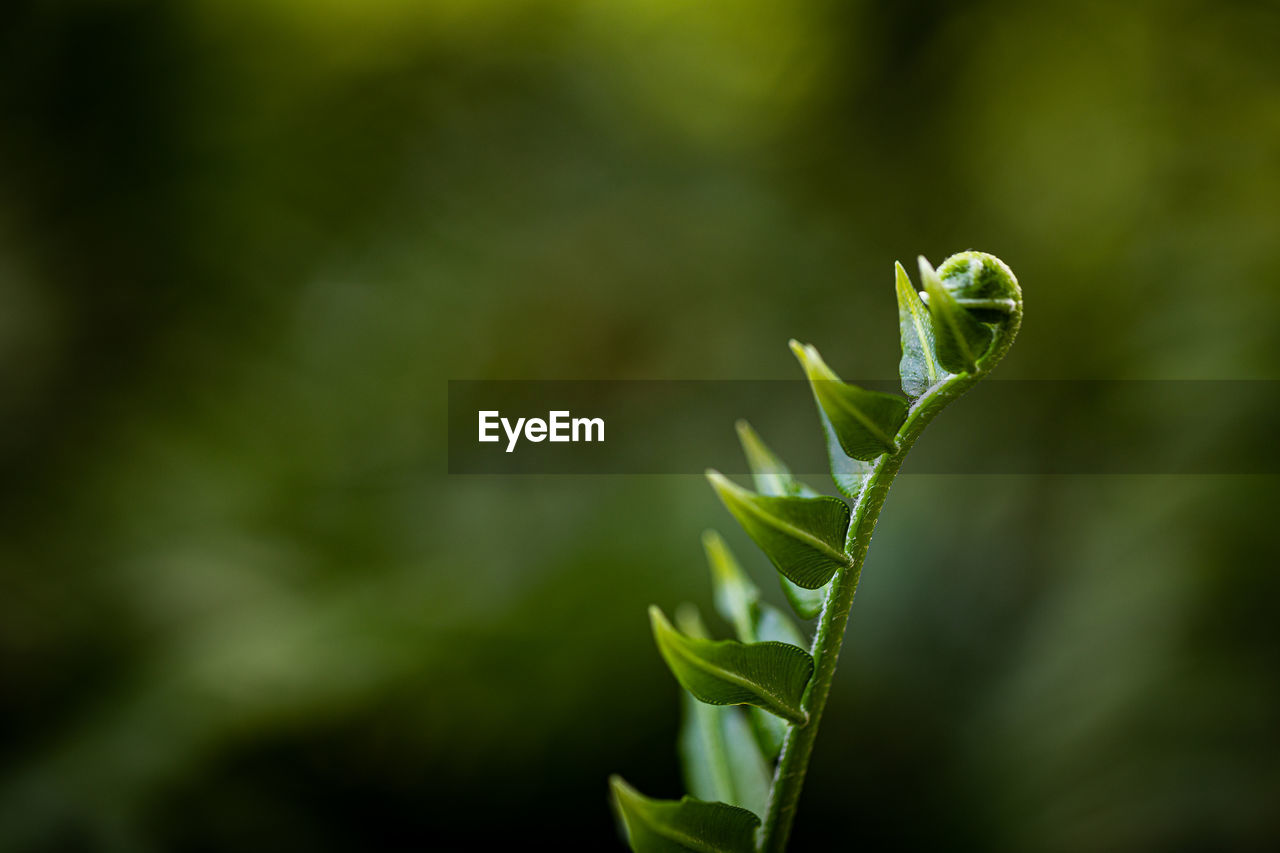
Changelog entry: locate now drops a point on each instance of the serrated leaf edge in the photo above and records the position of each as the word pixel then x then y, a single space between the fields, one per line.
pixel 721 483
pixel 624 793
pixel 663 629
pixel 813 364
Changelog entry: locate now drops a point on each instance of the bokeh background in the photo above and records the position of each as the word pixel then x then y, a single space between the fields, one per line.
pixel 244 244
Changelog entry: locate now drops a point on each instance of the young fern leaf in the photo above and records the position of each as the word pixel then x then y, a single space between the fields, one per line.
pixel 919 366
pixel 773 479
pixel 807 603
pixel 984 286
pixel 803 537
pixel 865 422
pixel 720 752
pixel 774 626
pixel 722 757
pixel 736 597
pixel 738 601
pixel 772 676
pixel 974 313
pixel 846 472
pixel 961 338
pixel 769 473
pixel 680 826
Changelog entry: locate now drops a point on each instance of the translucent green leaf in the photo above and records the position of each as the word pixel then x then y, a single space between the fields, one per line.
pixel 772 676
pixel 848 473
pixel 770 732
pixel 919 366
pixel 680 826
pixel 736 596
pixel 724 752
pixel 865 422
pixel 689 622
pixel 738 601
pixel 802 537
pixel 769 473
pixel 722 757
pixel 960 339
pixel 774 626
pixel 807 603
pixel 773 479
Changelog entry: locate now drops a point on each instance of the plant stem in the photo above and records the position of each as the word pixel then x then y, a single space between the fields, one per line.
pixel 793 764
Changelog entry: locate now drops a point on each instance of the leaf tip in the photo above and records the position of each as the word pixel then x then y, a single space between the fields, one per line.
pixel 759 458
pixel 718 556
pixel 661 627
pixel 690 621
pixel 751 443
pixel 722 484
pixel 927 273
pixel 625 798
pixel 811 361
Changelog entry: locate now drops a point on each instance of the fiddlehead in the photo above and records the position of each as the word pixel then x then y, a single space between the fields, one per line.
pixel 953 334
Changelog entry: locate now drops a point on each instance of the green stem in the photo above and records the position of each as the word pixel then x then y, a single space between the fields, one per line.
pixel 793 764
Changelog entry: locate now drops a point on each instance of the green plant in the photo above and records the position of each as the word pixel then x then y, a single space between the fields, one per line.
pixel 745 767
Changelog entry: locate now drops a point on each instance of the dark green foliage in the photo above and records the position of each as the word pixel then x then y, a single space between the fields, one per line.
pixel 662 826
pixel 720 746
pixel 772 477
pixel 865 422
pixel 738 601
pixel 772 676
pixel 804 537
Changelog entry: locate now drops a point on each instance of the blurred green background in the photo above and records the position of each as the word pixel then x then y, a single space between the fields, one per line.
pixel 243 245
